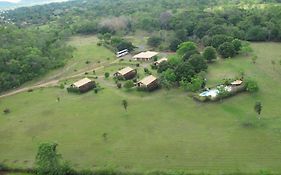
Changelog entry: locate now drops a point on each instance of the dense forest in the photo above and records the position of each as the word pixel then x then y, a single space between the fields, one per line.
pixel 26 54
pixel 28 51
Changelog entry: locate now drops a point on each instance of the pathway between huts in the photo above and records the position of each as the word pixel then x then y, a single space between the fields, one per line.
pixel 52 81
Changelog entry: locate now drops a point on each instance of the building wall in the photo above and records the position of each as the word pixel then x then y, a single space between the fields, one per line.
pixel 87 87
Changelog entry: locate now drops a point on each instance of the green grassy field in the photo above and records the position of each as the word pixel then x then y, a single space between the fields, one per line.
pixel 160 131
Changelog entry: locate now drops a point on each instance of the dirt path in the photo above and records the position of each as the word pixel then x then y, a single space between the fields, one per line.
pixel 53 81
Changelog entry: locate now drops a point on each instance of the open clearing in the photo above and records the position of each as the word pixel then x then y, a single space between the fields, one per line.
pixel 161 130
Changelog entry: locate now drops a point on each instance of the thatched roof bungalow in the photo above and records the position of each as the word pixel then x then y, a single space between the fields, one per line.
pixel 149 83
pixel 126 73
pixel 84 85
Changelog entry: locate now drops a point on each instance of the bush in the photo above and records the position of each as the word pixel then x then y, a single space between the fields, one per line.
pixel 129 84
pixel 251 86
pixel 146 70
pixel 210 54
pixel 119 85
pixel 72 90
pixel 30 90
pixel 3 167
pixel 99 43
pixel 154 41
pixel 62 86
pixel 106 75
pixel 7 111
pixel 227 50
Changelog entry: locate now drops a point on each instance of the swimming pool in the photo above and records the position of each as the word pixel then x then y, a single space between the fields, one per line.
pixel 212 93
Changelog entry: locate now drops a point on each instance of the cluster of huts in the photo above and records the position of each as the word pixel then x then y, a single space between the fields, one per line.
pixel 149 83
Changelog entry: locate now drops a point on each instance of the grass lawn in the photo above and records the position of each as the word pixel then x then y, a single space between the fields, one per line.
pixel 160 131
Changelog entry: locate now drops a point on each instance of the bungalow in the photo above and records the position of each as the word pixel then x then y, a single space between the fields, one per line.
pixel 145 56
pixel 126 73
pixel 84 85
pixel 156 63
pixel 148 83
pixel 237 83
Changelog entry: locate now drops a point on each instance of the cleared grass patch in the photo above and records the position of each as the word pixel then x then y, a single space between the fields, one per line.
pixel 161 130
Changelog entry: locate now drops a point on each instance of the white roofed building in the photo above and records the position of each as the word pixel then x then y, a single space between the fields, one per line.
pixel 145 56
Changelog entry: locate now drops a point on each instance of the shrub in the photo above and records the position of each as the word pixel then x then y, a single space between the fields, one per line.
pixel 72 90
pixel 96 90
pixel 227 50
pixel 251 86
pixel 30 90
pixel 3 167
pixel 99 44
pixel 210 54
pixel 106 75
pixel 7 111
pixel 129 84
pixel 154 41
pixel 137 65
pixel 146 70
pixel 62 86
pixel 87 62
pixel 119 85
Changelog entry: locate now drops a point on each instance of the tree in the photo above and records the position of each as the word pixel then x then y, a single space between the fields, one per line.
pixel 189 53
pixel 174 44
pixel 218 40
pixel 163 66
pixel 251 86
pixel 246 48
pixel 237 45
pixel 210 54
pixel 125 104
pixel 154 41
pixel 184 71
pixel 227 50
pixel 106 74
pixel 198 63
pixel 194 85
pixel 186 47
pixel 49 162
pixel 129 84
pixel 168 78
pixel 258 108
pixel 256 33
pixel 254 59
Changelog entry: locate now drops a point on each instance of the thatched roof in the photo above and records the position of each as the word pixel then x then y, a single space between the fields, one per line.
pixel 82 82
pixel 145 55
pixel 161 60
pixel 148 80
pixel 125 71
pixel 237 82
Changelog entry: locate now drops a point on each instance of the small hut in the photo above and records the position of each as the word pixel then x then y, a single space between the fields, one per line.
pixel 156 63
pixel 126 73
pixel 149 83
pixel 83 85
